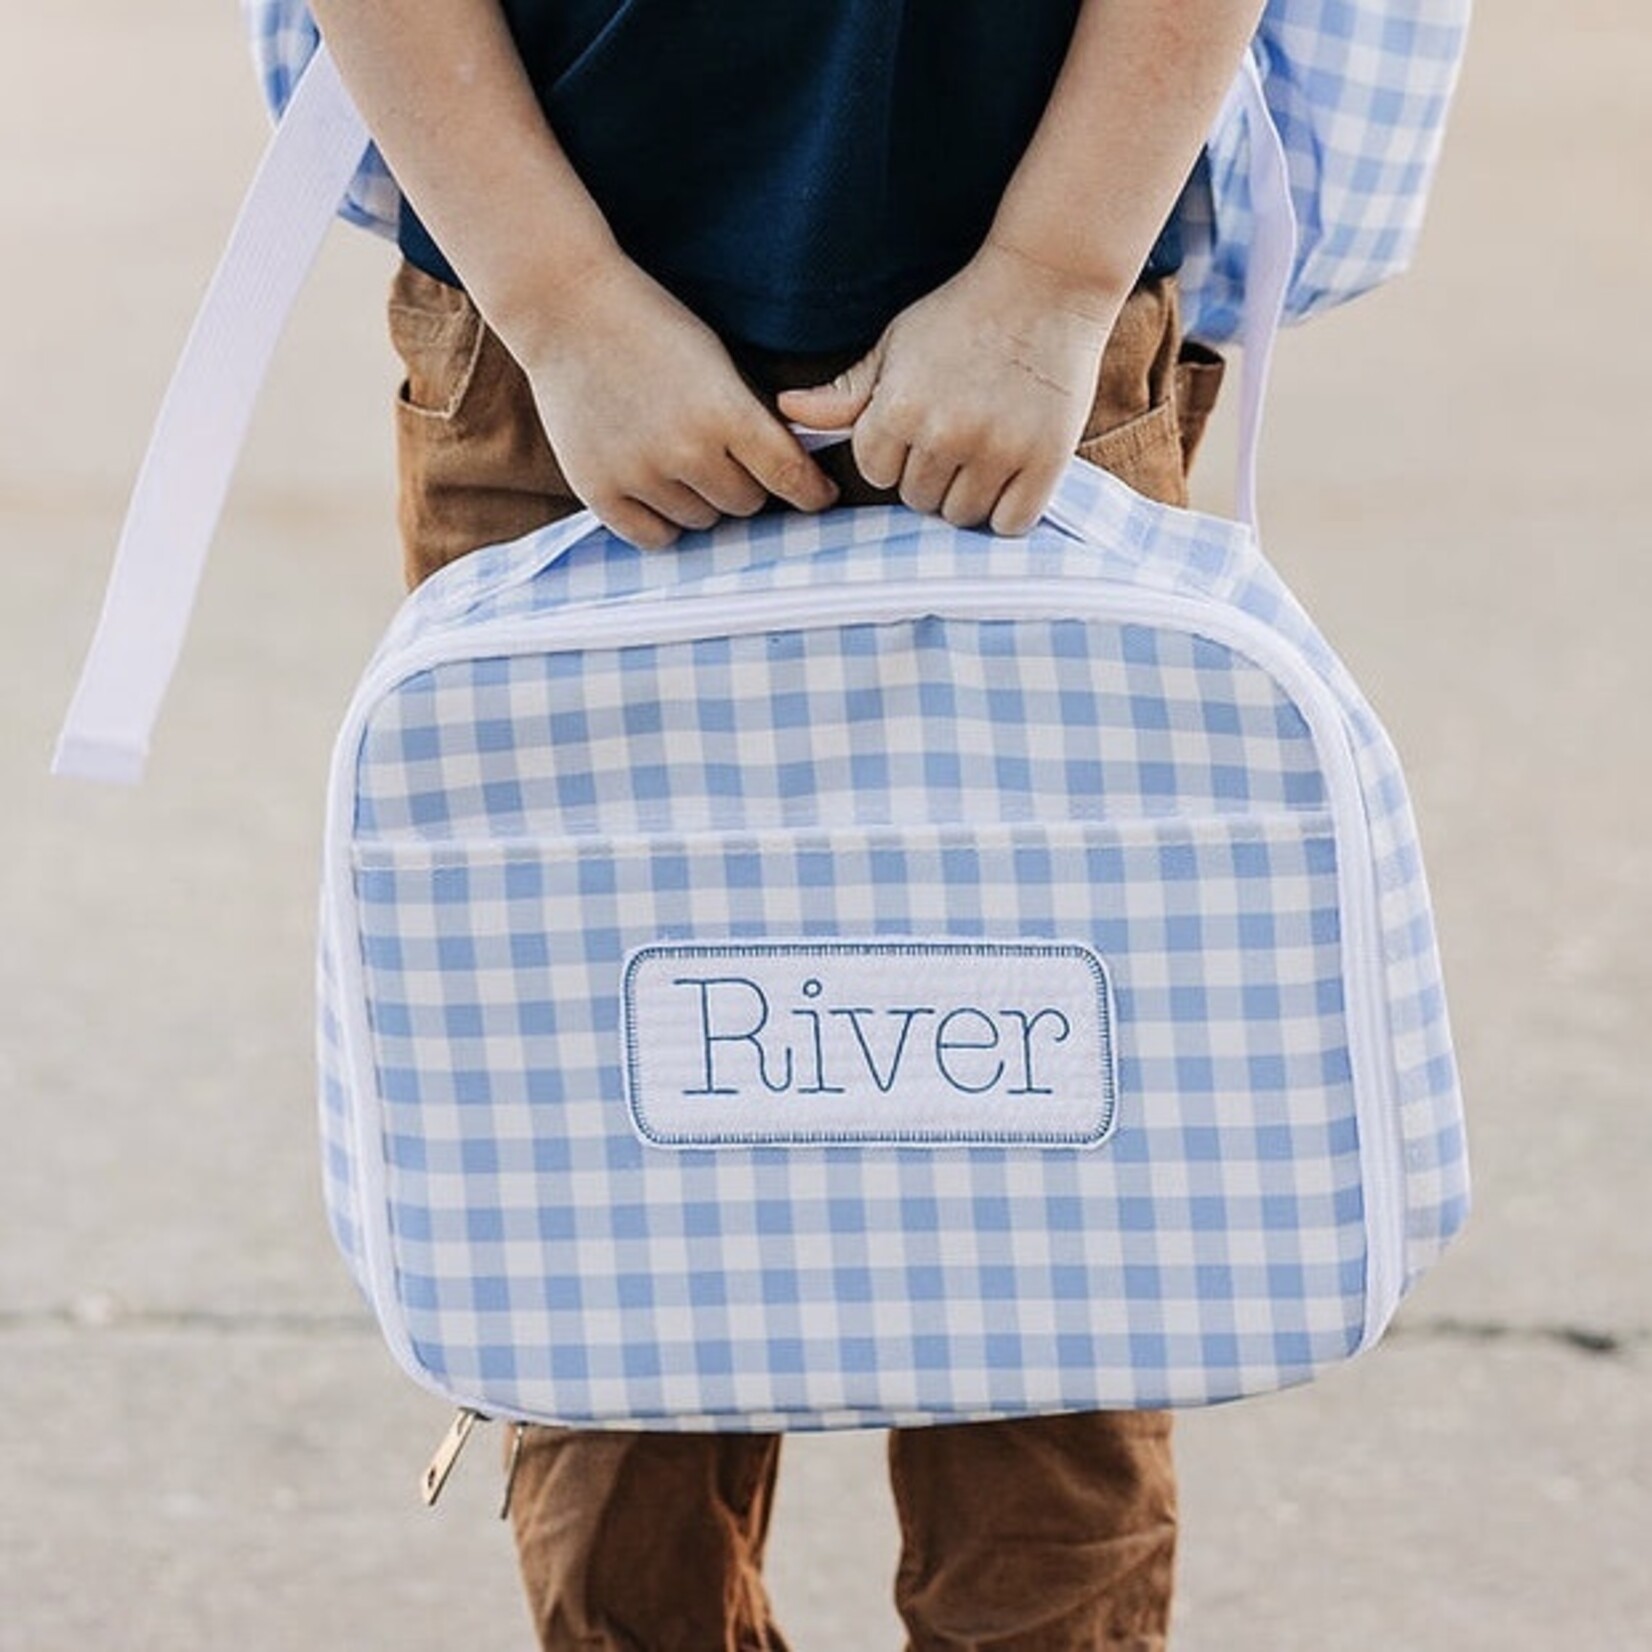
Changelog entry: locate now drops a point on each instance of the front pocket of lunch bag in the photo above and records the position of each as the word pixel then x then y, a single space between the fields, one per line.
pixel 1217 1195
pixel 1213 937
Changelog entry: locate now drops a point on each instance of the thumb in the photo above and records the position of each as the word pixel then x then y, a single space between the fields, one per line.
pixel 837 405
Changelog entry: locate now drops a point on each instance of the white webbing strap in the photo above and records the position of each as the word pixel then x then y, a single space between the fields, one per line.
pixel 202 424
pixel 1269 262
pixel 203 420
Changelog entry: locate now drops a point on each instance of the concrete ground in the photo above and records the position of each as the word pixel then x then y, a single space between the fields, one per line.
pixel 201 1442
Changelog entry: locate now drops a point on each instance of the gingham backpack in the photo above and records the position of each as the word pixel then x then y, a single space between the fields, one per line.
pixel 1358 89
pixel 847 970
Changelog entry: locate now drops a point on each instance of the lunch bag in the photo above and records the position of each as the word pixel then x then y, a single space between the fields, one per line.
pixel 847 970
pixel 1359 90
pixel 852 971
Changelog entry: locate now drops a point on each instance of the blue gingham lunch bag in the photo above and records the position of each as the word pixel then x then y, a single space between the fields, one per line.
pixel 845 970
pixel 853 971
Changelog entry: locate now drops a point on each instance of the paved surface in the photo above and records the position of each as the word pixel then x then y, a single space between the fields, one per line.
pixel 201 1443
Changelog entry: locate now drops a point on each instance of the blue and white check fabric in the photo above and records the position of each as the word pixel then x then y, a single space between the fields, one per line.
pixel 1359 90
pixel 513 815
pixel 284 38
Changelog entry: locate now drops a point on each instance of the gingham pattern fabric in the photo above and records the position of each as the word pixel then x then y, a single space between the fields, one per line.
pixel 1358 88
pixel 509 824
pixel 941 720
pixel 1360 94
pixel 284 37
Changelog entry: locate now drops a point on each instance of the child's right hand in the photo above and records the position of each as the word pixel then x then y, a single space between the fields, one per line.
pixel 654 427
pixel 649 418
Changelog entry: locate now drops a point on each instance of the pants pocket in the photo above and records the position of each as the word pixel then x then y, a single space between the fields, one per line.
pixel 473 465
pixel 1145 453
pixel 1133 429
pixel 1199 373
pixel 437 332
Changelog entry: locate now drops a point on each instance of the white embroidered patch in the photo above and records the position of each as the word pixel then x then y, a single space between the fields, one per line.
pixel 909 1041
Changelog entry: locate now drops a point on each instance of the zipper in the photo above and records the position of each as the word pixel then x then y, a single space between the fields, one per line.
pixel 658 618
pixel 1142 829
pixel 446 1458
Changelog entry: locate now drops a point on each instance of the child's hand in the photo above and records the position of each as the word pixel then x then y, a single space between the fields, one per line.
pixel 976 395
pixel 652 424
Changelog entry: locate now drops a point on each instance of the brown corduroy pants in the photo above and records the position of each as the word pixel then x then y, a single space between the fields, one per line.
pixel 1043 1534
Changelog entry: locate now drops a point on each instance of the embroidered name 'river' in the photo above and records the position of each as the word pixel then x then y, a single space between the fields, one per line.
pixel 907 1041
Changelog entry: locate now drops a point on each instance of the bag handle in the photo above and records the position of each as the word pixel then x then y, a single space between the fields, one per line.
pixel 295 193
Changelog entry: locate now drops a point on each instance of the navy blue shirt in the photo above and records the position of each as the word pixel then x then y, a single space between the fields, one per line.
pixel 796 171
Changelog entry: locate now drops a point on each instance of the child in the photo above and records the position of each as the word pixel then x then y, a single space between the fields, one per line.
pixel 645 235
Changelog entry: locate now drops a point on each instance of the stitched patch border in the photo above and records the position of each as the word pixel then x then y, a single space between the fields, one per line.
pixel 962 1066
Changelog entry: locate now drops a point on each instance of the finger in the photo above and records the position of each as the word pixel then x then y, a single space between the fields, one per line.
pixel 837 405
pixel 772 455
pixel 679 503
pixel 729 486
pixel 634 521
pixel 1022 503
pixel 880 455
pixel 925 479
pixel 973 496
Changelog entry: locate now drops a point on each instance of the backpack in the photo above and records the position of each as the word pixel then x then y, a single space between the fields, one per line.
pixel 1358 89
pixel 850 970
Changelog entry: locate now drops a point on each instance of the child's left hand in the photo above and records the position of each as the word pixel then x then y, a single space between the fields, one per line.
pixel 976 395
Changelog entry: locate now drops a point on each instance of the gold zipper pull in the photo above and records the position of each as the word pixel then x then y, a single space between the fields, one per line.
pixel 515 1457
pixel 447 1454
